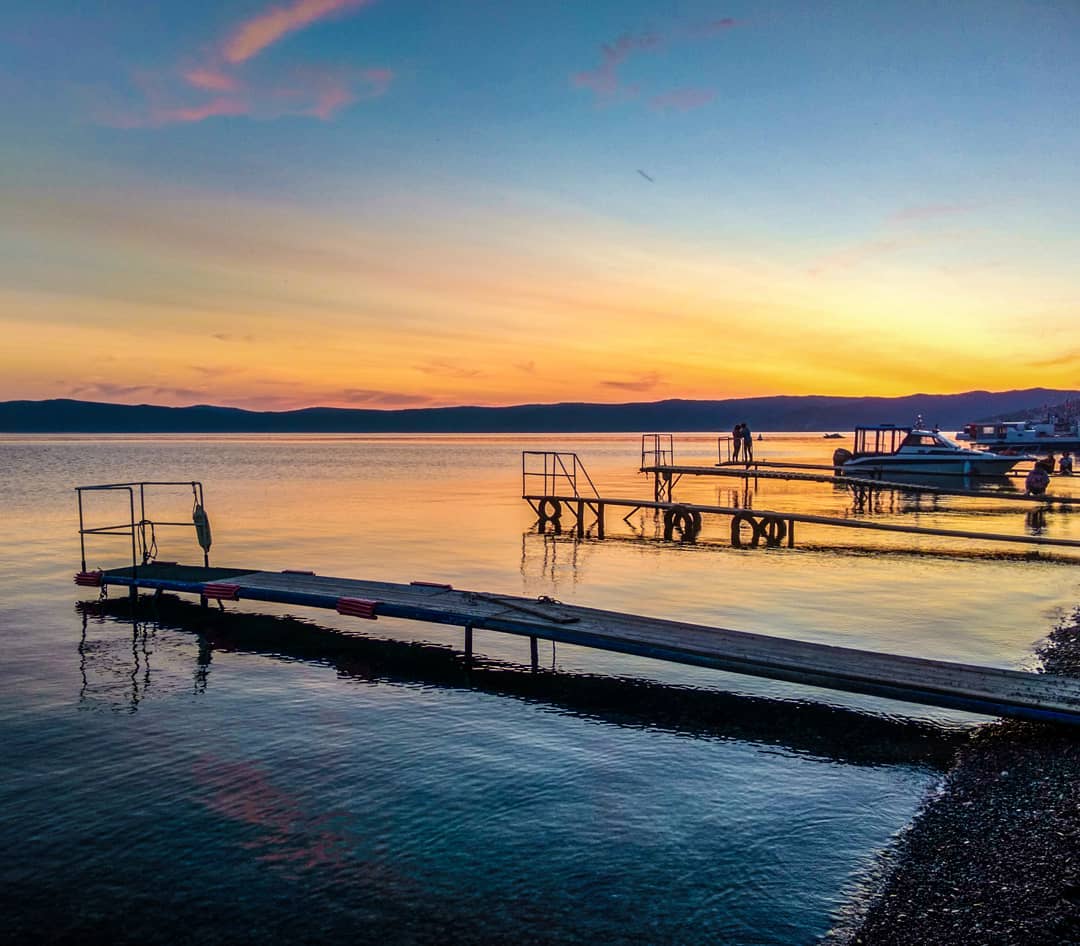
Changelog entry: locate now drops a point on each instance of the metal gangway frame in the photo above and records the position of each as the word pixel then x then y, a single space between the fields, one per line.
pixel 657 450
pixel 142 530
pixel 557 467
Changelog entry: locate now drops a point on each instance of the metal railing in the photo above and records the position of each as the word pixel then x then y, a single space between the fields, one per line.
pixel 141 529
pixel 657 450
pixel 723 449
pixel 553 468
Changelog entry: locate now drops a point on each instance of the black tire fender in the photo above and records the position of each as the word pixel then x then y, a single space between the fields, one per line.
pixel 556 509
pixel 736 523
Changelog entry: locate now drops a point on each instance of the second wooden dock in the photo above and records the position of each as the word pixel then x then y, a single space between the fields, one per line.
pixel 984 690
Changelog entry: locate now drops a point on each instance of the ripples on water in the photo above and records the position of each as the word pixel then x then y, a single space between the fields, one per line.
pixel 249 778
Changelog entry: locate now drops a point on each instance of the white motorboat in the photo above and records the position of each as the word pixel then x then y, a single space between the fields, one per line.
pixel 1048 436
pixel 886 448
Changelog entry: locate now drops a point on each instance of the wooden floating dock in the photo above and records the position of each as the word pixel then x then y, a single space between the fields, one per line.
pixel 554 481
pixel 765 526
pixel 983 690
pixel 669 473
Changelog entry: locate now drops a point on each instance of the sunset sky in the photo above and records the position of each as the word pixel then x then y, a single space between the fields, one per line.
pixel 395 204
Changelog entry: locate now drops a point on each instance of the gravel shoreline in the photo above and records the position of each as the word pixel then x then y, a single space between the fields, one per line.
pixel 993 859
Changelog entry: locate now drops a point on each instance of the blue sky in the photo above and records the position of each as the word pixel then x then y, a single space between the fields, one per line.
pixel 462 180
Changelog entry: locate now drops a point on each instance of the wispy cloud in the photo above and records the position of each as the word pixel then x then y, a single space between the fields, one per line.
pixel 383 398
pixel 646 382
pixel 604 79
pixel 126 392
pixel 606 82
pixel 253 36
pixel 682 100
pixel 1058 361
pixel 448 369
pixel 860 253
pixel 211 80
pixel 223 83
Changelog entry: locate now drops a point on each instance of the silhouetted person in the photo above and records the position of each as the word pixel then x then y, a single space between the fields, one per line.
pixel 1065 467
pixel 736 442
pixel 747 444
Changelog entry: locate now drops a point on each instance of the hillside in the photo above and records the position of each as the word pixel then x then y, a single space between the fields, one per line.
pixel 809 413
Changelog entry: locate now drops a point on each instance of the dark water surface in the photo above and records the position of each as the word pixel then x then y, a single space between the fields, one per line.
pixel 174 780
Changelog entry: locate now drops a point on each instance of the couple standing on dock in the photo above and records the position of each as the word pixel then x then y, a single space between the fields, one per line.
pixel 742 437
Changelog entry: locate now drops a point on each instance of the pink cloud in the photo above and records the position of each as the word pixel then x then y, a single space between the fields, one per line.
pixel 682 100
pixel 604 79
pixel 606 83
pixel 212 80
pixel 876 248
pixel 225 83
pixel 253 36
pixel 196 113
pixel 312 91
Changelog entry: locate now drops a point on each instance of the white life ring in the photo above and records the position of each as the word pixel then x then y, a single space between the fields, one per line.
pixel 202 527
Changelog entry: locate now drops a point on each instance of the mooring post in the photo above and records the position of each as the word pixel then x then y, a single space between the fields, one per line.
pixel 468 645
pixel 791 533
pixel 581 518
pixel 599 520
pixel 534 654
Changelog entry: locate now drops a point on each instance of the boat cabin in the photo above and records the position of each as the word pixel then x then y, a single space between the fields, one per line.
pixel 885 439
pixel 1011 431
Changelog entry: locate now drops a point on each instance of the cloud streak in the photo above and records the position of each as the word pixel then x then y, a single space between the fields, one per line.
pixel 226 83
pixel 645 382
pixel 253 36
pixel 383 398
pixel 606 83
pixel 604 79
pixel 448 369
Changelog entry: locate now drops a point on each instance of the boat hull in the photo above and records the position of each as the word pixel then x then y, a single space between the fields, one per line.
pixel 1045 445
pixel 975 465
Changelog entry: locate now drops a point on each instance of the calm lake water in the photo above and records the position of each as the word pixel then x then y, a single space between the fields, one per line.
pixel 172 779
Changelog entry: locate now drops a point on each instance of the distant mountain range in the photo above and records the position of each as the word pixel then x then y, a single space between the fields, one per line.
pixel 797 413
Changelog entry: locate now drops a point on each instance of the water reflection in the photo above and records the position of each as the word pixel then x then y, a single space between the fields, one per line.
pixel 115 669
pixel 827 732
pixel 107 673
pixel 554 556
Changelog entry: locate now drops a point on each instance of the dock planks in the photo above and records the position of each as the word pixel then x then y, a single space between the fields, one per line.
pixel 984 690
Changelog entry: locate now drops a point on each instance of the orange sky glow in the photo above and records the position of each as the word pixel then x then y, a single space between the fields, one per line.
pixel 288 205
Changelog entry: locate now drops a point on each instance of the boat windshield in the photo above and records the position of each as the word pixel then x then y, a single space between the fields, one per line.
pixel 927 438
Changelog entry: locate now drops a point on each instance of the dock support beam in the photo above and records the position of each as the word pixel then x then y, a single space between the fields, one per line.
pixel 468 645
pixel 534 654
pixel 599 520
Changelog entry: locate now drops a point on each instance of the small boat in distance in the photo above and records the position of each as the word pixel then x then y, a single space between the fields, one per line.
pixel 886 448
pixel 834 436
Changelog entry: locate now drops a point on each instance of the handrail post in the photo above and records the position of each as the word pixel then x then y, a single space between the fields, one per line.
pixel 82 526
